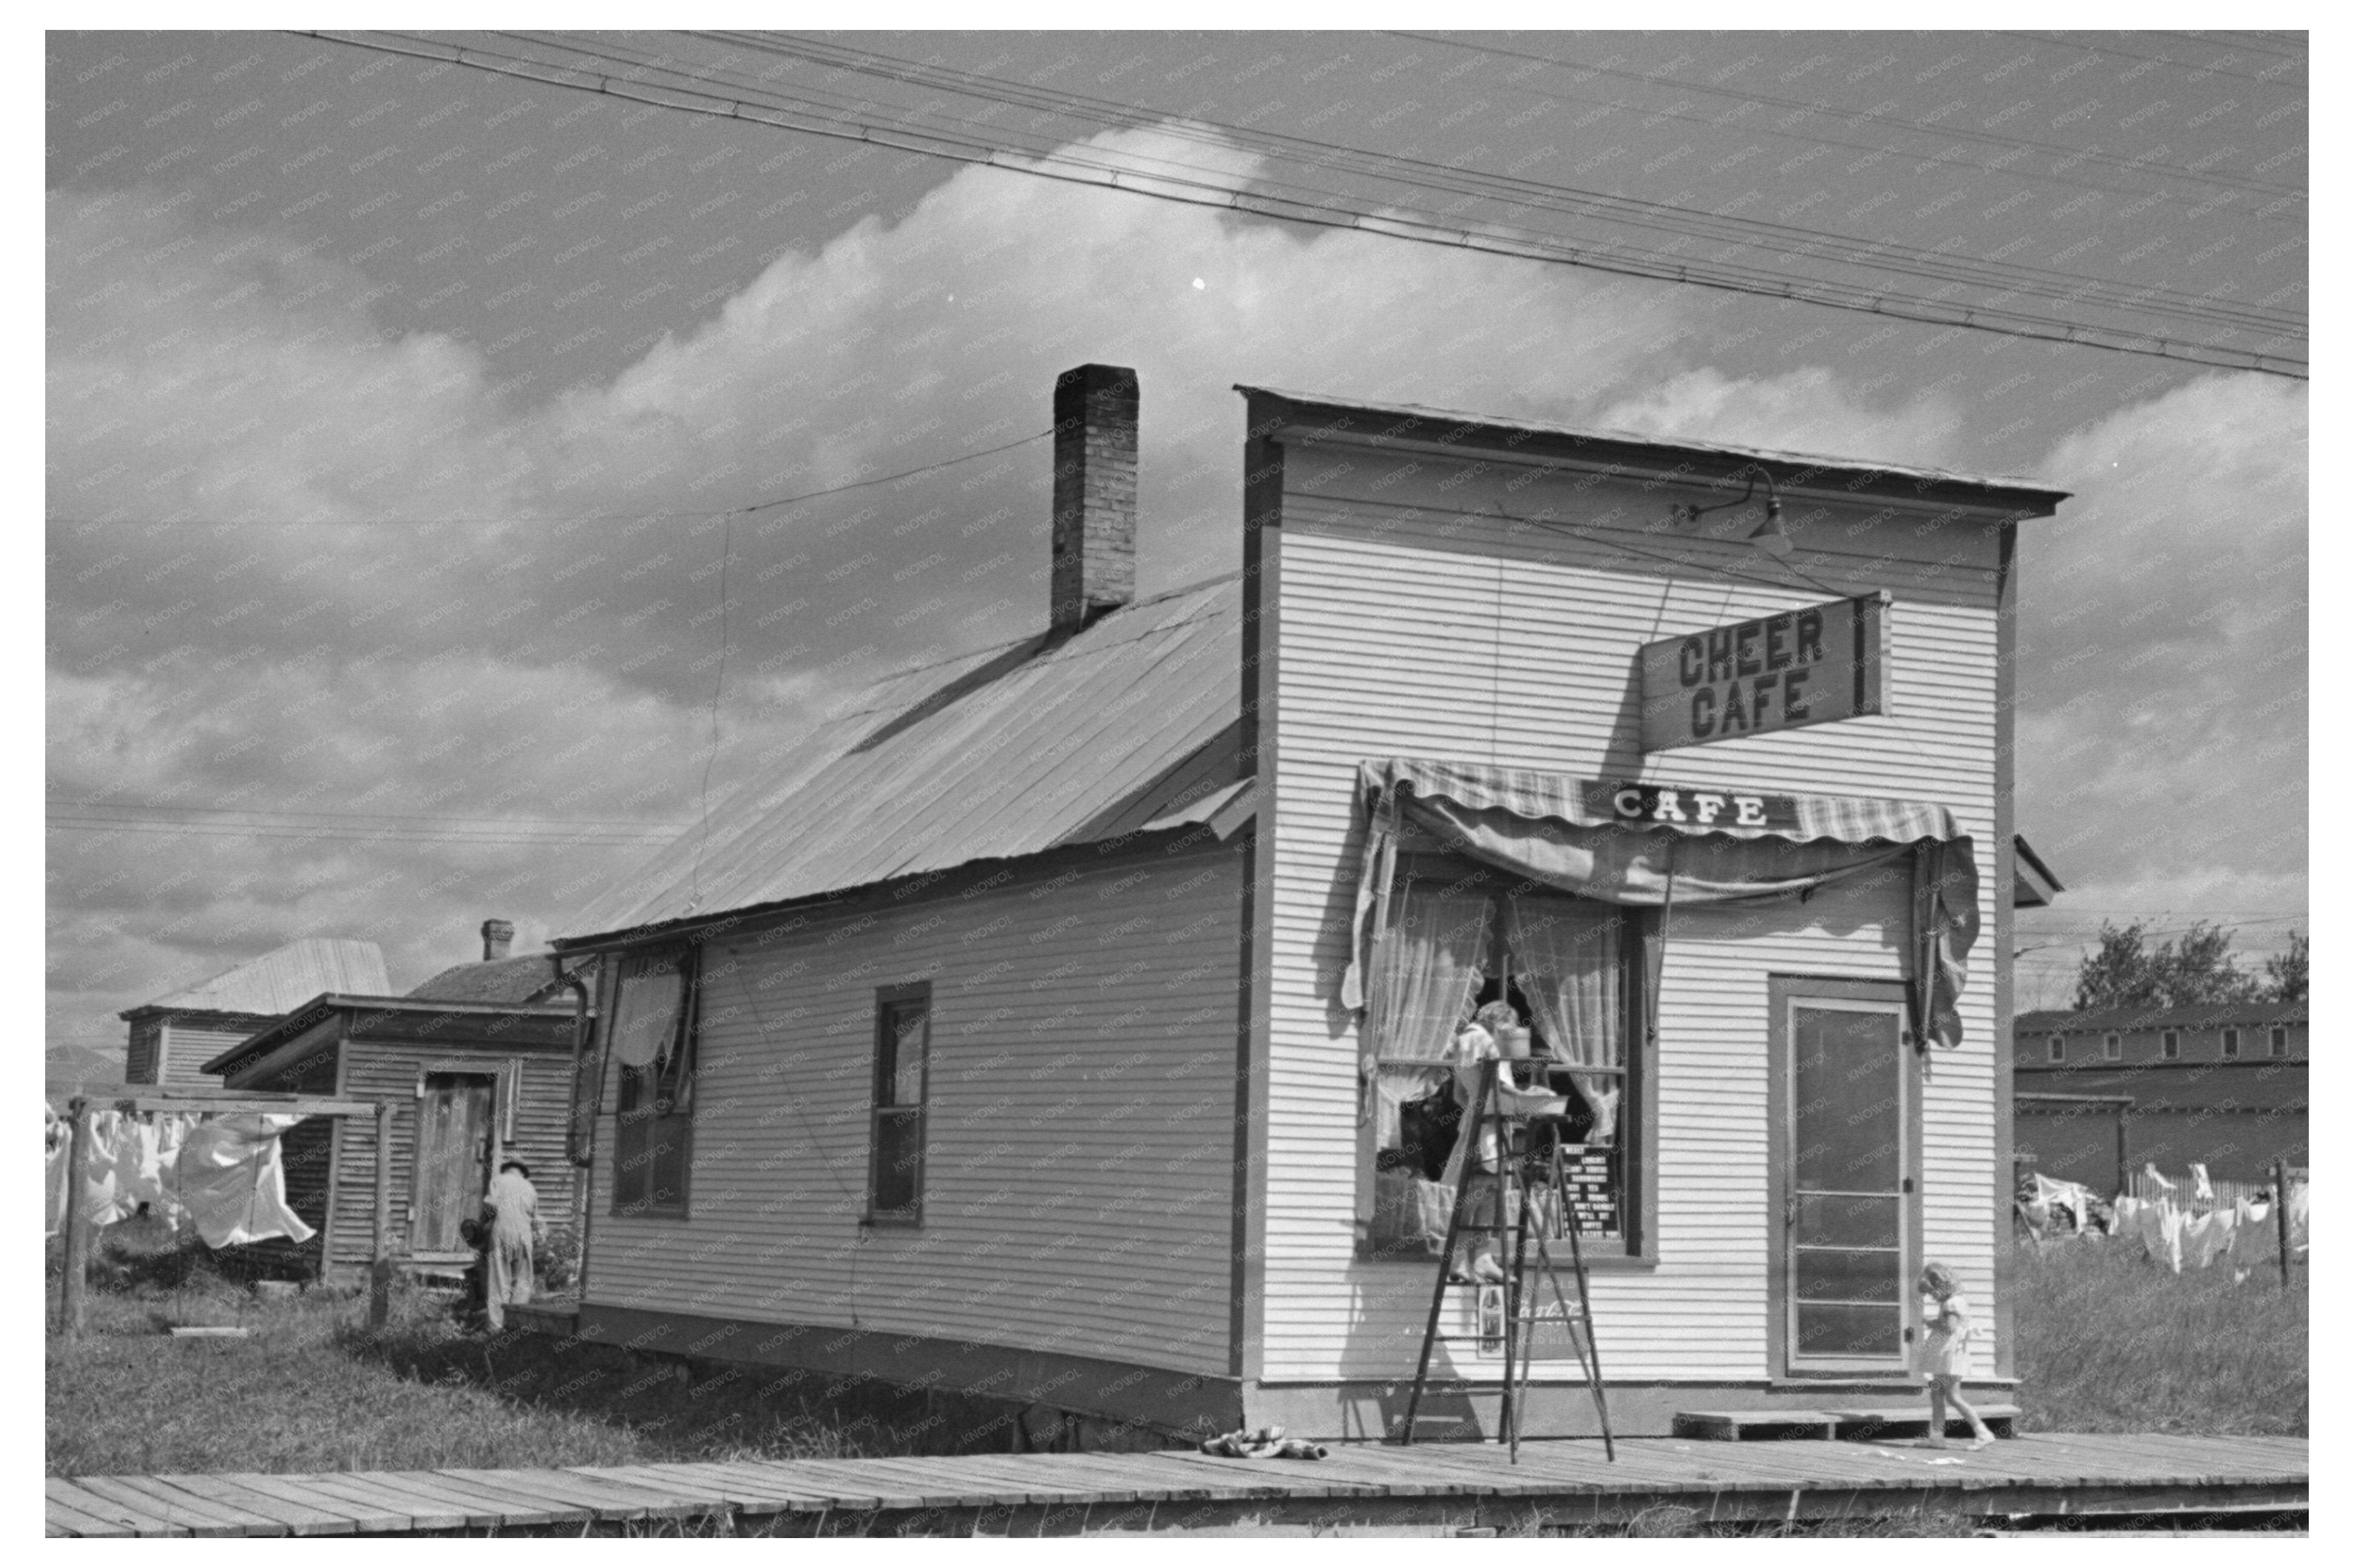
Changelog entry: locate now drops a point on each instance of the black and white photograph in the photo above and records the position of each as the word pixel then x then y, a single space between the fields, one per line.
pixel 1032 772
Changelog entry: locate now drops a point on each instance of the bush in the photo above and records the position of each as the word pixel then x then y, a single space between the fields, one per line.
pixel 558 1261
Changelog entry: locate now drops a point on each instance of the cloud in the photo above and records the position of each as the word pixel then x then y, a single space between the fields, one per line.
pixel 1810 409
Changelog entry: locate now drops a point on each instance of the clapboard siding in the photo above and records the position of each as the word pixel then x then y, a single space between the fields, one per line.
pixel 391 1070
pixel 188 1044
pixel 1078 1130
pixel 1419 612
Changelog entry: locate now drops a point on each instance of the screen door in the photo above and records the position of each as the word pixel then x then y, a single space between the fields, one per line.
pixel 1846 1185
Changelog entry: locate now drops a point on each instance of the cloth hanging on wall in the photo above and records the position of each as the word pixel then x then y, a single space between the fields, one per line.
pixel 1566 833
pixel 1426 970
pixel 232 1180
pixel 1565 959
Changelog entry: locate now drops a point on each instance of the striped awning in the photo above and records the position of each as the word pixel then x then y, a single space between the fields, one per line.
pixel 1655 807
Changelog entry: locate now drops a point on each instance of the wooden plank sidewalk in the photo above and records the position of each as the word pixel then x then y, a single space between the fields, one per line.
pixel 1432 1487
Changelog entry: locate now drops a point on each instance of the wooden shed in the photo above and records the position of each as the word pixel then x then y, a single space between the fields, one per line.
pixel 1068 1022
pixel 478 1062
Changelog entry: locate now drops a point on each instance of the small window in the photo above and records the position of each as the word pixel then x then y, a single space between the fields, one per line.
pixel 2230 1043
pixel 902 1039
pixel 652 1043
pixel 2055 1049
pixel 2170 1045
pixel 2112 1049
pixel 2279 1041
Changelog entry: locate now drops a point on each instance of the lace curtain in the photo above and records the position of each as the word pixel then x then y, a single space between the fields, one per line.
pixel 1426 969
pixel 1564 959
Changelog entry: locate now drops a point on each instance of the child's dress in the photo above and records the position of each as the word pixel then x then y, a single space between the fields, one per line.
pixel 1946 1330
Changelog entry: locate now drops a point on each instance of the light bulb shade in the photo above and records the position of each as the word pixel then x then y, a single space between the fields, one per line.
pixel 1769 537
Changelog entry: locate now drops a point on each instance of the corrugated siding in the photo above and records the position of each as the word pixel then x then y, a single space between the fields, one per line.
pixel 139 1057
pixel 1410 624
pixel 1079 1137
pixel 375 1069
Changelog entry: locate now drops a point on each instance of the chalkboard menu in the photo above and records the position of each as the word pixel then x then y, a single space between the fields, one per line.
pixel 1591 1174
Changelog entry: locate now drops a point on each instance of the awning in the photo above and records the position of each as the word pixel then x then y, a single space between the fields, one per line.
pixel 1653 843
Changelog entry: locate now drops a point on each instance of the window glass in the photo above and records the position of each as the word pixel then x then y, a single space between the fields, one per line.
pixel 653 1042
pixel 2230 1043
pixel 2056 1050
pixel 902 1058
pixel 2280 1042
pixel 2111 1048
pixel 2170 1045
pixel 1550 979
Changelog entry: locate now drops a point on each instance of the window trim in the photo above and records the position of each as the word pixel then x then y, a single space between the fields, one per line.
pixel 2055 1049
pixel 886 998
pixel 2113 1048
pixel 2276 1042
pixel 1638 1127
pixel 2230 1044
pixel 688 1044
pixel 2170 1045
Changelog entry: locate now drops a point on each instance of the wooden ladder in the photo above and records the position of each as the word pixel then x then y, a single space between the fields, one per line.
pixel 1521 1307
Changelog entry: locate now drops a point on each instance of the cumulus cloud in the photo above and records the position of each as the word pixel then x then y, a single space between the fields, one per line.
pixel 1807 410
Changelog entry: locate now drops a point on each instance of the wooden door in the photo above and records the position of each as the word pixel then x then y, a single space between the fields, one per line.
pixel 1846 1185
pixel 453 1161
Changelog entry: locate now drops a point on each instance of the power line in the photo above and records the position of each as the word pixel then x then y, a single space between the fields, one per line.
pixel 1917 128
pixel 83 807
pixel 1684 222
pixel 2116 53
pixel 729 512
pixel 1420 229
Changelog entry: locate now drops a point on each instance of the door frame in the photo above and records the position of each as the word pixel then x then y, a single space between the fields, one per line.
pixel 425 1077
pixel 1785 991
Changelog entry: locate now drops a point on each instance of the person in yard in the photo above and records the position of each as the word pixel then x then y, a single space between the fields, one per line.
pixel 1946 1330
pixel 512 1207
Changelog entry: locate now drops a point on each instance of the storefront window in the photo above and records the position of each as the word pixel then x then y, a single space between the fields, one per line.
pixel 1461 941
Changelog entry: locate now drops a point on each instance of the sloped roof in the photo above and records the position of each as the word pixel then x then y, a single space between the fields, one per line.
pixel 285 979
pixel 1131 723
pixel 519 980
pixel 2220 1015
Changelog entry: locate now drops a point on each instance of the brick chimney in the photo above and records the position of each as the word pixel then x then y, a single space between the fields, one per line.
pixel 1095 495
pixel 496 935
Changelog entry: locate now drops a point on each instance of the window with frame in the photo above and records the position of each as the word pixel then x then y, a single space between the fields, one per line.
pixel 2170 1045
pixel 2279 1042
pixel 651 1041
pixel 2111 1048
pixel 1458 939
pixel 2230 1043
pixel 903 1041
pixel 2055 1049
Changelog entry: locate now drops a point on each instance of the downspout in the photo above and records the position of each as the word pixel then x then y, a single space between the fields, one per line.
pixel 580 1131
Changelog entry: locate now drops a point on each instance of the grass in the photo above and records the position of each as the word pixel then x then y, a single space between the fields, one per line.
pixel 2108 1341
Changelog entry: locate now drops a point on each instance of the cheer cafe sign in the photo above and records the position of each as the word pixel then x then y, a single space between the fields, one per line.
pixel 1801 667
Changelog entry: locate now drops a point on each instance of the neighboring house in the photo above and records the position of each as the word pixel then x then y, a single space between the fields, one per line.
pixel 2223 1086
pixel 1010 1039
pixel 172 1036
pixel 478 1064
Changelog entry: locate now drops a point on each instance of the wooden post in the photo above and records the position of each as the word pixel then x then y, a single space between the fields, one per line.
pixel 2125 1153
pixel 71 1292
pixel 380 1258
pixel 2280 1213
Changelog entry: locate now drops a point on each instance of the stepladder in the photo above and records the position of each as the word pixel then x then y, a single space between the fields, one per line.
pixel 1513 1196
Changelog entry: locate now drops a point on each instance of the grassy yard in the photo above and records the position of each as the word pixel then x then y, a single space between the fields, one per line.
pixel 2108 1343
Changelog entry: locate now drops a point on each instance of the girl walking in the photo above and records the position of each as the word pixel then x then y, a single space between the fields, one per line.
pixel 1946 1330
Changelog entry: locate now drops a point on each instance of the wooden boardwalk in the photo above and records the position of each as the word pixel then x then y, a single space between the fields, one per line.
pixel 1436 1487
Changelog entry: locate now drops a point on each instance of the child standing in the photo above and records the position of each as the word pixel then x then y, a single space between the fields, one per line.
pixel 1946 1329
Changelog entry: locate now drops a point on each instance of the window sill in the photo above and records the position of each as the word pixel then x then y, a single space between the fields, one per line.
pixel 1608 1263
pixel 623 1211
pixel 882 1223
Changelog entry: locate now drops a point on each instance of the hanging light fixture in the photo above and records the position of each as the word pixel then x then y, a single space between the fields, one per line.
pixel 1768 536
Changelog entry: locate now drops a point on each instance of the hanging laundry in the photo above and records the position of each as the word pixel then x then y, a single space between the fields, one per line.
pixel 53 1199
pixel 2150 1169
pixel 102 1203
pixel 232 1180
pixel 2201 1189
pixel 2209 1237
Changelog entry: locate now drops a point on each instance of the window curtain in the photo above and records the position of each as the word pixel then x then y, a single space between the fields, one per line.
pixel 645 1018
pixel 1565 959
pixel 1426 959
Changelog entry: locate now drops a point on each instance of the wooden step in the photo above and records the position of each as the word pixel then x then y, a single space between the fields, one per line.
pixel 1751 1425
pixel 1913 1421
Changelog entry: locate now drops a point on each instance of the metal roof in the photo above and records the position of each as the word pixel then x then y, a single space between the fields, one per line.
pixel 522 979
pixel 1131 723
pixel 2125 1020
pixel 282 981
pixel 1407 422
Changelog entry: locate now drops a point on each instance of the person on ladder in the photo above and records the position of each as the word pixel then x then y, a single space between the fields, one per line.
pixel 1495 1031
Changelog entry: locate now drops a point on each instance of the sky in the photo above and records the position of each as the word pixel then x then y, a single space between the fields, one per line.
pixel 392 406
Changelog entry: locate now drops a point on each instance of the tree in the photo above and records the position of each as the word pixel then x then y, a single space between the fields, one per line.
pixel 2194 969
pixel 2286 972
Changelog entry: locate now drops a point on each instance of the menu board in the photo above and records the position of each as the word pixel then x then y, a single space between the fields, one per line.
pixel 1591 1174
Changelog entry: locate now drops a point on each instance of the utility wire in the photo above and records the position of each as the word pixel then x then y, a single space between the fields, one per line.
pixel 1918 128
pixel 1525 246
pixel 594 518
pixel 2116 53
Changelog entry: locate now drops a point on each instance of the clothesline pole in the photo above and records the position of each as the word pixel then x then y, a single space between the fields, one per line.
pixel 71 1291
pixel 2280 1213
pixel 380 1255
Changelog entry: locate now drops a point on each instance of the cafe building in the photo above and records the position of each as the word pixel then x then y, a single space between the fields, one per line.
pixel 1075 1022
